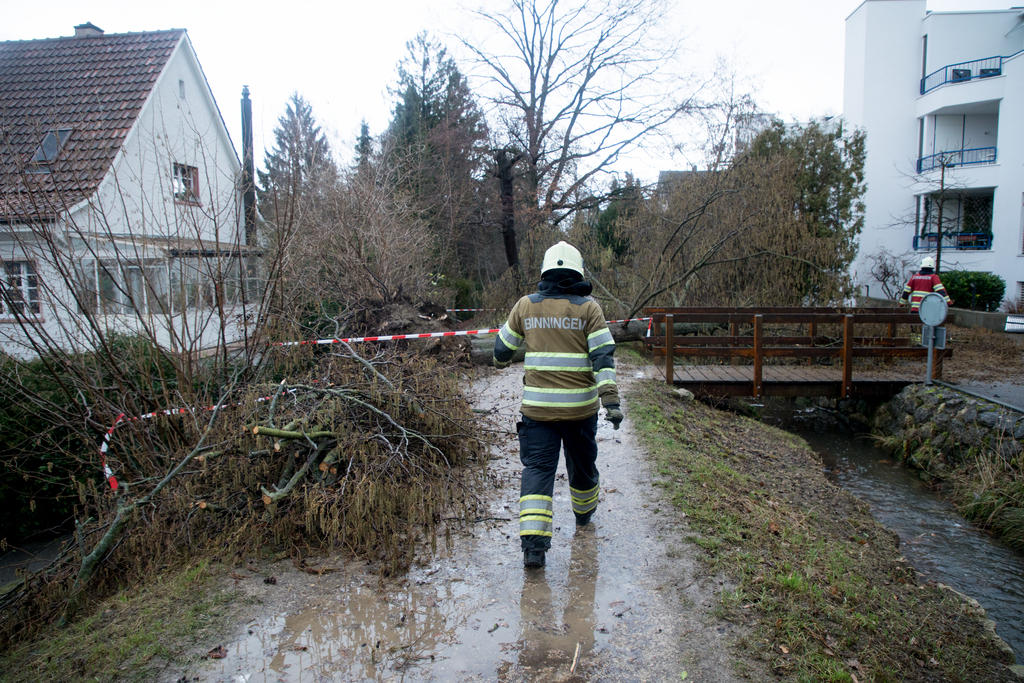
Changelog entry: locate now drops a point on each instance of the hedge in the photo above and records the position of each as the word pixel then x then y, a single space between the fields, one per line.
pixel 42 458
pixel 989 288
pixel 39 461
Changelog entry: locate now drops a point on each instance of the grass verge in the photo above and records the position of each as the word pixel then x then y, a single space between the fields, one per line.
pixel 821 584
pixel 131 637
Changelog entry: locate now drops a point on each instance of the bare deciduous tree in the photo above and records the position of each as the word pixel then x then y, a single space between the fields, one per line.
pixel 573 87
pixel 891 271
pixel 714 238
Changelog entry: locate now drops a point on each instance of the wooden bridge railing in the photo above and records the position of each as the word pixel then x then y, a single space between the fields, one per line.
pixel 810 346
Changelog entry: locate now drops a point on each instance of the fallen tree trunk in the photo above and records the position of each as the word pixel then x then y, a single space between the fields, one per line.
pixel 482 350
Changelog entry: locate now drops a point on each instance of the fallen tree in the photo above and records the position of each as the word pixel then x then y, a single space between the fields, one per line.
pixel 367 454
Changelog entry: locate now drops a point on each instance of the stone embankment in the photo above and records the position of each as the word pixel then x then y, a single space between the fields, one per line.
pixel 940 428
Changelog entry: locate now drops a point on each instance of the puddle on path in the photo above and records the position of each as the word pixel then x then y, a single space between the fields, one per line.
pixel 614 590
pixel 449 623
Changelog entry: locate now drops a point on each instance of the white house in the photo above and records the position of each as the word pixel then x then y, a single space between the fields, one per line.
pixel 941 96
pixel 119 200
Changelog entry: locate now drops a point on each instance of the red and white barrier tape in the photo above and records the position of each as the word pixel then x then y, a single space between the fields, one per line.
pixel 107 472
pixel 390 337
pixel 627 320
pixel 425 335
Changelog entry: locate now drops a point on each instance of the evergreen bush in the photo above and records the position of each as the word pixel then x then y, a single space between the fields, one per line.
pixel 44 451
pixel 988 287
pixel 38 459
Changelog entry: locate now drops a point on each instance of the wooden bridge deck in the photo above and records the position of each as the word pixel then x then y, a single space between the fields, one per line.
pixel 789 380
pixel 784 343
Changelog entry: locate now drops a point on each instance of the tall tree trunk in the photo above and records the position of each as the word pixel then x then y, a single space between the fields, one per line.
pixel 942 207
pixel 504 163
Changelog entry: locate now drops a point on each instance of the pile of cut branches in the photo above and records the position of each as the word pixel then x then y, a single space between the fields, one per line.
pixel 368 455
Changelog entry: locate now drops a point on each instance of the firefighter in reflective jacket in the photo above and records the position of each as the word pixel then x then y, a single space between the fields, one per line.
pixel 923 283
pixel 569 369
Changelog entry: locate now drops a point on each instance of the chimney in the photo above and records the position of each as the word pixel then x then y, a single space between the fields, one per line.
pixel 88 30
pixel 248 171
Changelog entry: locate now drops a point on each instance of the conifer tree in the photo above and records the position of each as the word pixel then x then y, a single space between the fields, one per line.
pixel 435 146
pixel 298 168
pixel 623 203
pixel 364 147
pixel 828 181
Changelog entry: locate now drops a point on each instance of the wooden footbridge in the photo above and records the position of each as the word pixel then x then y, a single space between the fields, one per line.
pixel 788 351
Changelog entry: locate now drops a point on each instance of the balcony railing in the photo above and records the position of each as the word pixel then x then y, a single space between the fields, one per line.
pixel 957 241
pixel 957 157
pixel 964 72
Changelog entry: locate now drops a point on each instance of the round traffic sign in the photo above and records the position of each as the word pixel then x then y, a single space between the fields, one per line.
pixel 933 309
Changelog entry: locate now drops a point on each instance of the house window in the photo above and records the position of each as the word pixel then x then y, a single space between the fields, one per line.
pixel 48 151
pixel 159 287
pixel 206 283
pixel 978 214
pixel 19 289
pixel 128 288
pixel 85 286
pixel 186 184
pixel 930 222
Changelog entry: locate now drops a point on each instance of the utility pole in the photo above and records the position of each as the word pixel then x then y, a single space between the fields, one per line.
pixel 248 171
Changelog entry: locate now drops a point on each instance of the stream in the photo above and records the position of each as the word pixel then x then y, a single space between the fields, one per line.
pixel 936 540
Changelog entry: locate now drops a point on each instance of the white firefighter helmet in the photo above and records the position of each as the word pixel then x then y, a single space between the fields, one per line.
pixel 562 255
pixel 927 262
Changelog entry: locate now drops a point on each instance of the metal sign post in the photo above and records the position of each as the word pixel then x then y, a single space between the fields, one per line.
pixel 933 311
pixel 928 333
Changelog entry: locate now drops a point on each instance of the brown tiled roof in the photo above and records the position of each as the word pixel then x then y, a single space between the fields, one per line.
pixel 94 86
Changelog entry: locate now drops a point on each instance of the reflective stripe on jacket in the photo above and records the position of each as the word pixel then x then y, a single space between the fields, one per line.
pixel 569 354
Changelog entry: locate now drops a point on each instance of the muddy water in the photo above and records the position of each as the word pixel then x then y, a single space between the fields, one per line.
pixel 452 621
pixel 622 599
pixel 937 541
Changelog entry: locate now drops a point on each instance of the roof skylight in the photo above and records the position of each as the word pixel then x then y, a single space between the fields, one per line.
pixel 50 147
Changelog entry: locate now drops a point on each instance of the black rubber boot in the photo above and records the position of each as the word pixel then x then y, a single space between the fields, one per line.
pixel 583 520
pixel 533 558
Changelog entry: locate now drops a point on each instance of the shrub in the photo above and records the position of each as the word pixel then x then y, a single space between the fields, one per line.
pixel 38 458
pixel 467 292
pixel 988 287
pixel 46 449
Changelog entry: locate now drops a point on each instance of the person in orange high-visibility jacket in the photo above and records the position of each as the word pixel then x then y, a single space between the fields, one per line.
pixel 923 283
pixel 570 373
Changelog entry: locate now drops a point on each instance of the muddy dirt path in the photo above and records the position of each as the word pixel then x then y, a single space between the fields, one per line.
pixel 625 599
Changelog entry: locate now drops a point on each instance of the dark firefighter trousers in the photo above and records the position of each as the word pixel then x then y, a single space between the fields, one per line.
pixel 539 446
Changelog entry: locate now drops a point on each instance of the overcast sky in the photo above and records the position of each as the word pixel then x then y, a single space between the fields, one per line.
pixel 341 55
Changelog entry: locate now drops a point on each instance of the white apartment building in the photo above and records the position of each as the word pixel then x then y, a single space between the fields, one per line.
pixel 941 97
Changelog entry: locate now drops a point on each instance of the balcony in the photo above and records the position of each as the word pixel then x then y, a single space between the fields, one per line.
pixel 964 72
pixel 958 157
pixel 956 241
